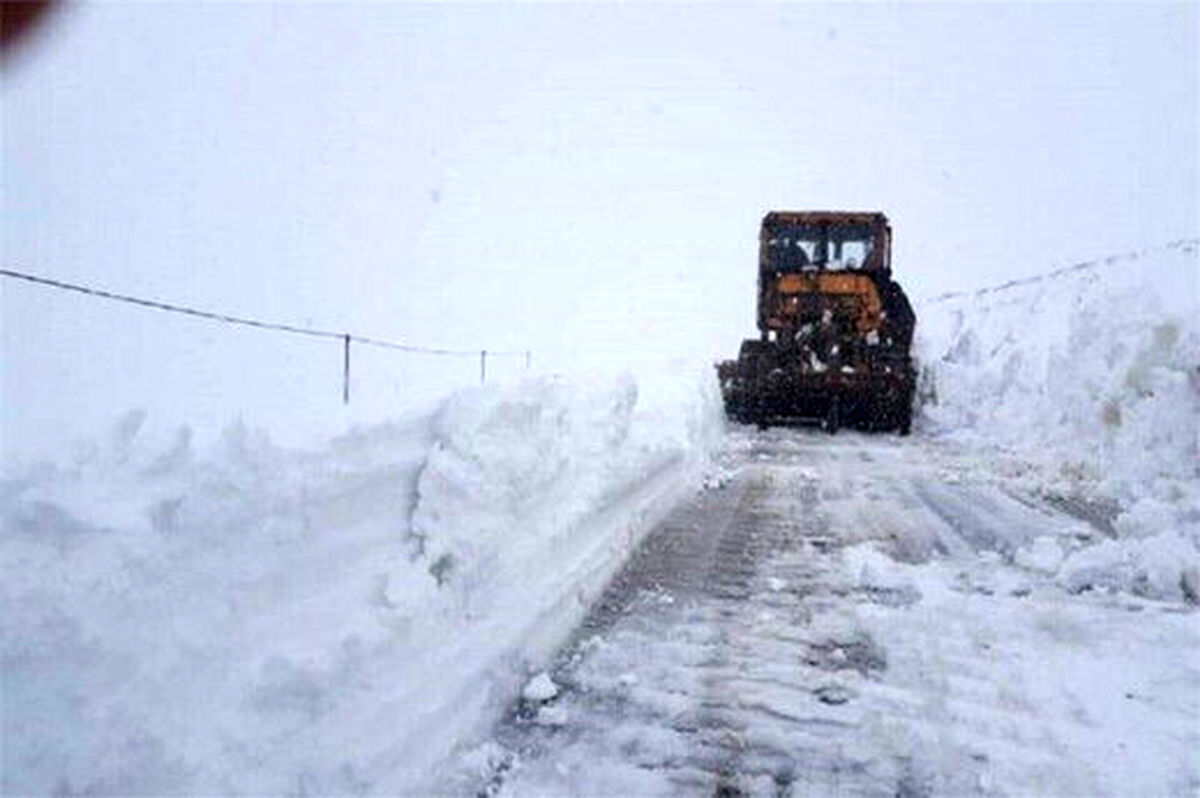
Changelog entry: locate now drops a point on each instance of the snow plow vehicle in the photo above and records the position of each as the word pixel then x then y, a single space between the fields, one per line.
pixel 835 329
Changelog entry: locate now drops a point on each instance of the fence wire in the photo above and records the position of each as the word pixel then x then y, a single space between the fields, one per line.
pixel 344 337
pixel 247 322
pixel 1183 244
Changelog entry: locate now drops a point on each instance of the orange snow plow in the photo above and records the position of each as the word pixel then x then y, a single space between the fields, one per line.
pixel 835 329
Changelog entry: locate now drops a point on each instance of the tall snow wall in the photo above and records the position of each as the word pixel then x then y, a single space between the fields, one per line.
pixel 251 620
pixel 1092 375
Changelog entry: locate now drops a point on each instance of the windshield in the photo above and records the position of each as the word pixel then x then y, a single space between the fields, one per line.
pixel 829 246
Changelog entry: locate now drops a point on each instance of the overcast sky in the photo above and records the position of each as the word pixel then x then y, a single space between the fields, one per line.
pixel 584 181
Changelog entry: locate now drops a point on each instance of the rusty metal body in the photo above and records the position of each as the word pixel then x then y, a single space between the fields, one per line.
pixel 835 329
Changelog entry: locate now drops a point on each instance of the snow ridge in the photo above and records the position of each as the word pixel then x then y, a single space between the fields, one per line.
pixel 257 620
pixel 1092 375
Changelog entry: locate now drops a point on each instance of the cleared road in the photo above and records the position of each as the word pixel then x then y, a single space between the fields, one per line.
pixel 858 615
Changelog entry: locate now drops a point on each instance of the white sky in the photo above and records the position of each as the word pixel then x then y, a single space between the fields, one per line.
pixel 583 181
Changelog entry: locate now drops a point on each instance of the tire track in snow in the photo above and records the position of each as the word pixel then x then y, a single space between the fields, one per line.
pixel 737 654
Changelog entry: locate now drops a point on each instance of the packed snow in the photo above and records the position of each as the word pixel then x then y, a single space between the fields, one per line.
pixel 782 636
pixel 1108 686
pixel 249 619
pixel 1087 379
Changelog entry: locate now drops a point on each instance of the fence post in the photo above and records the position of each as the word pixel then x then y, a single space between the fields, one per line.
pixel 528 355
pixel 482 366
pixel 346 369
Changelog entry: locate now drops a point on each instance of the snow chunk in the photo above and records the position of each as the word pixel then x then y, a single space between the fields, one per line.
pixel 1043 554
pixel 540 688
pixel 869 567
pixel 950 477
pixel 834 693
pixel 1164 566
pixel 551 716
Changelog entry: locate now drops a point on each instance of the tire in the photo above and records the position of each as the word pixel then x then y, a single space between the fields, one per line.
pixel 875 418
pixel 760 417
pixel 833 419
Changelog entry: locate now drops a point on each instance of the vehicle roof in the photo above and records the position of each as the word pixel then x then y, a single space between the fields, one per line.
pixel 809 217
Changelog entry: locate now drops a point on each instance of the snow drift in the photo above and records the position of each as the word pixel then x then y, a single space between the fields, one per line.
pixel 1092 374
pixel 255 620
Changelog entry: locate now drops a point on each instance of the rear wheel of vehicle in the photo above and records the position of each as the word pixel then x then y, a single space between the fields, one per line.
pixel 760 412
pixel 876 416
pixel 833 418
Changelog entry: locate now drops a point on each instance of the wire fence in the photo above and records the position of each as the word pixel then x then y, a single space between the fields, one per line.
pixel 1183 244
pixel 345 338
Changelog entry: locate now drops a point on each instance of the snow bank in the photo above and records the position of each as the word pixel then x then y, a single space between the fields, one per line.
pixel 254 620
pixel 1093 374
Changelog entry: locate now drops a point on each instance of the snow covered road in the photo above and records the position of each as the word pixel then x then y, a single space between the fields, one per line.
pixel 858 616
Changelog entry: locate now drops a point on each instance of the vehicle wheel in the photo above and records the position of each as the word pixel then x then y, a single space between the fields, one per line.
pixel 872 420
pixel 832 419
pixel 735 409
